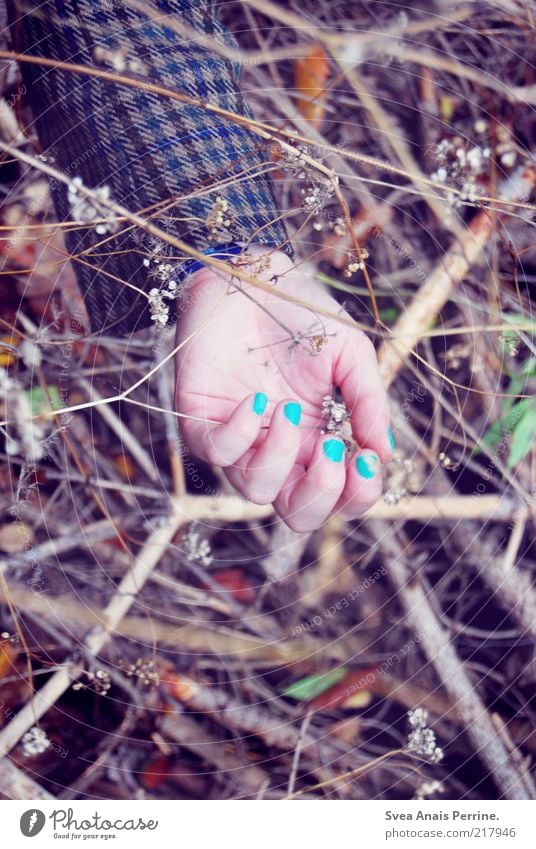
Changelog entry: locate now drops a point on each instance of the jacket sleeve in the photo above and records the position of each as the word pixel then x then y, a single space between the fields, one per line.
pixel 144 149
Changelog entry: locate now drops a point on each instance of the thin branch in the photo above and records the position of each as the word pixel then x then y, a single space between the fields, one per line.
pixel 436 644
pixel 17 785
pixel 119 605
pixel 265 131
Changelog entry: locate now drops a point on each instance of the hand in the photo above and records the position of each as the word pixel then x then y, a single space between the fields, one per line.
pixel 250 376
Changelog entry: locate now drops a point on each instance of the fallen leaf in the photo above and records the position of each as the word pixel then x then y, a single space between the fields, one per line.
pixel 156 772
pixel 313 685
pixel 310 76
pixel 358 700
pixel 235 581
pixel 8 357
pixel 125 466
pixel 7 658
pixel 344 693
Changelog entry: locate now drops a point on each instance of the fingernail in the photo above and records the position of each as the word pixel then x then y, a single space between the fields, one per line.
pixel 293 412
pixel 259 403
pixel 334 449
pixel 367 465
pixel 391 438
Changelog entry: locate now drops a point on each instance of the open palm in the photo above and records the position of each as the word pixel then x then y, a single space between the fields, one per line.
pixel 252 372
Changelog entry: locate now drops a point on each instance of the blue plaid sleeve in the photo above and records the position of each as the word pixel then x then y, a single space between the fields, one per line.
pixel 147 150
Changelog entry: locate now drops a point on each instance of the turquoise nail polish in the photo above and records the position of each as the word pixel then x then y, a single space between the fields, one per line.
pixel 293 412
pixel 367 465
pixel 391 439
pixel 259 403
pixel 334 449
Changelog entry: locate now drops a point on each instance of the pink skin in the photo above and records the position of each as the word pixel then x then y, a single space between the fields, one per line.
pixel 234 349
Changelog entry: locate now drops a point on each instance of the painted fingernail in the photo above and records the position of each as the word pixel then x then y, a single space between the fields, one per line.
pixel 259 403
pixel 333 449
pixel 391 438
pixel 367 465
pixel 293 412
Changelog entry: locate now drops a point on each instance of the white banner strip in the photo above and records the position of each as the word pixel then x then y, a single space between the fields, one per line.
pixel 265 824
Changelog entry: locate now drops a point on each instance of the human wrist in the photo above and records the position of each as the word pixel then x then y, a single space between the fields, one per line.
pixel 256 259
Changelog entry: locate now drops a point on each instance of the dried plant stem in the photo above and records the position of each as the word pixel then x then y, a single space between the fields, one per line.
pixel 514 94
pixel 297 752
pixel 436 644
pixel 514 542
pixel 254 719
pixel 16 784
pixel 219 508
pixel 389 42
pixel 265 131
pixel 281 563
pixel 513 587
pixel 126 438
pixel 191 735
pixel 358 772
pixel 209 640
pixel 173 437
pixel 394 140
pixel 88 535
pixel 428 297
pixel 121 602
pixel 427 508
pixel 286 550
pixel 96 639
pixel 432 296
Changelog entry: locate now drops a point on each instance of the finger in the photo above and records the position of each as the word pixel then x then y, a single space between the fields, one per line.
pixel 363 484
pixel 356 372
pixel 223 444
pixel 310 497
pixel 260 474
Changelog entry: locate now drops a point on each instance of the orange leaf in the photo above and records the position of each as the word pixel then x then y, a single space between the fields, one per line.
pixel 234 580
pixel 156 772
pixel 7 658
pixel 7 357
pixel 125 466
pixel 310 76
pixel 116 541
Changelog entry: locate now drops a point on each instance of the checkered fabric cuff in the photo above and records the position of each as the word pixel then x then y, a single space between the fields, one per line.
pixel 176 163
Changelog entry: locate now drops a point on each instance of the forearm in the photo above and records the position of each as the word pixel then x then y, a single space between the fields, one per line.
pixel 149 150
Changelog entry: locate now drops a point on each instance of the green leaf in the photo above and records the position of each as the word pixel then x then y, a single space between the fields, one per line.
pixel 389 314
pixel 39 401
pixel 524 435
pixel 518 318
pixel 512 414
pixel 314 685
pixel 529 367
pixel 512 420
pixel 492 437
